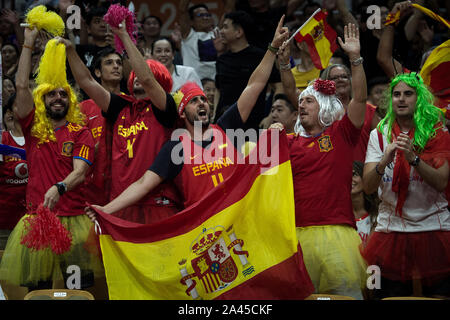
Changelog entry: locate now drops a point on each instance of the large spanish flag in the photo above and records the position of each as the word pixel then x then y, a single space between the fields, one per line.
pixel 238 242
pixel 320 38
pixel 436 74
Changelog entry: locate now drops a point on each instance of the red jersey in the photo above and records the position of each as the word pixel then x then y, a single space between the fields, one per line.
pixel 359 153
pixel 97 192
pixel 52 162
pixel 205 168
pixel 137 138
pixel 322 175
pixel 13 183
pixel 95 120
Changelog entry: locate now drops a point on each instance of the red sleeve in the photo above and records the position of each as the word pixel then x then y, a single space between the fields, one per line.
pixel 27 122
pixel 350 133
pixel 84 146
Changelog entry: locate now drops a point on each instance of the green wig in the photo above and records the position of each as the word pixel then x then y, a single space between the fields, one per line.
pixel 425 116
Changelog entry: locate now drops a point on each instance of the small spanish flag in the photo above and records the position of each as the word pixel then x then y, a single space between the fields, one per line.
pixel 320 38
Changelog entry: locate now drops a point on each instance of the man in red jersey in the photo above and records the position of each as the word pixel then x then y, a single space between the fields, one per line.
pixel 59 152
pixel 321 157
pixel 141 124
pixel 108 67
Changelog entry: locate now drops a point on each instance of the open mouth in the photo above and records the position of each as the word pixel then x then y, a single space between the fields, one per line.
pixel 202 113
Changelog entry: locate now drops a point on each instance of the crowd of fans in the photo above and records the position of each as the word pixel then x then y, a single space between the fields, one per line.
pixel 241 73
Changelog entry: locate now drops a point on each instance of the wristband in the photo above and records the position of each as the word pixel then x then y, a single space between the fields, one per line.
pixel 28 47
pixel 357 62
pixel 272 49
pixel 285 66
pixel 415 162
pixel 62 187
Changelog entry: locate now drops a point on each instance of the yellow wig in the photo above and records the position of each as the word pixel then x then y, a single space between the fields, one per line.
pixel 50 21
pixel 51 75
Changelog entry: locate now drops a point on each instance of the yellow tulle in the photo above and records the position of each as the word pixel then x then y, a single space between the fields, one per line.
pixel 50 21
pixel 333 260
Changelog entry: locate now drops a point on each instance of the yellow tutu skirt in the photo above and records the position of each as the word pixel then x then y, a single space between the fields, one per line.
pixel 25 267
pixel 333 260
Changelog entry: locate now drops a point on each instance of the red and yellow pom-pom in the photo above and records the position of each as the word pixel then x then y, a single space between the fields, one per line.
pixel 327 87
pixel 44 230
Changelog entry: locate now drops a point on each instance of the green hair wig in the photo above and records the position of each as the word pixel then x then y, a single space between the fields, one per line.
pixel 426 115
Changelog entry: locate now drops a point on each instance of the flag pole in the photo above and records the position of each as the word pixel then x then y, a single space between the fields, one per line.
pixel 309 19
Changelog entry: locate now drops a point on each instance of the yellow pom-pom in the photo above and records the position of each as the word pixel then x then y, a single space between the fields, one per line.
pixel 50 21
pixel 52 67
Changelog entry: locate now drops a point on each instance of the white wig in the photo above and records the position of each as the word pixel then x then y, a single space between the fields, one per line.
pixel 330 108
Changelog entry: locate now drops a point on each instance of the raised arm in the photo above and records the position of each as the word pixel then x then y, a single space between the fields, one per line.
pixel 357 107
pixel 390 66
pixel 260 76
pixel 287 78
pixel 185 20
pixel 24 98
pixel 84 78
pixel 145 76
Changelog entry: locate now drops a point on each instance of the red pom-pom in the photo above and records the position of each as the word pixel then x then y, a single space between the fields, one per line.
pixel 43 230
pixel 327 87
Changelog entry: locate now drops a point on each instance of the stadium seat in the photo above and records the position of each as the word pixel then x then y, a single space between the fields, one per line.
pixel 59 294
pixel 328 297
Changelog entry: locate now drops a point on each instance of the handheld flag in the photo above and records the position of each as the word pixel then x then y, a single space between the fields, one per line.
pixel 238 242
pixel 320 38
pixel 436 75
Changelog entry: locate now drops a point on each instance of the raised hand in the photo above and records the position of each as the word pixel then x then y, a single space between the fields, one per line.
pixel 351 44
pixel 281 34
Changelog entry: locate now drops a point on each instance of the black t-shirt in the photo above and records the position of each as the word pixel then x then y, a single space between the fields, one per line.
pixel 233 70
pixel 167 118
pixel 164 165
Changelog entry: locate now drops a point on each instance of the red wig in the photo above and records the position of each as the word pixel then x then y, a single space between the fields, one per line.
pixel 162 75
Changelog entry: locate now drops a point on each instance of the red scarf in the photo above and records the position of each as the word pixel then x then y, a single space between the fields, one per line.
pixel 436 151
pixel 400 180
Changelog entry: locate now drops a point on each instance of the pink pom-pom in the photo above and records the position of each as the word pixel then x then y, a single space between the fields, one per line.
pixel 43 230
pixel 114 17
pixel 327 87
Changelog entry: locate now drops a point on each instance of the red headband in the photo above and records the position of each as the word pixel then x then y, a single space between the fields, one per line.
pixel 189 90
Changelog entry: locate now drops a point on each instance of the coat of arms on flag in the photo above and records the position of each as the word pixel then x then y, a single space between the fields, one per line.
pixel 215 266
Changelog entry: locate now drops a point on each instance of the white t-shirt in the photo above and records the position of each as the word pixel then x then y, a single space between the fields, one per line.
pixel 183 74
pixel 425 209
pixel 198 52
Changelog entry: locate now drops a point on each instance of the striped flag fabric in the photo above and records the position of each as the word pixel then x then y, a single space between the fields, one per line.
pixel 320 38
pixel 435 73
pixel 238 242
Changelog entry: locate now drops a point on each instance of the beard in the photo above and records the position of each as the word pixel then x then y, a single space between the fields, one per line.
pixel 57 115
pixel 194 117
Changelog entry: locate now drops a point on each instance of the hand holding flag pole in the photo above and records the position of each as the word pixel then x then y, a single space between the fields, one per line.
pixel 304 24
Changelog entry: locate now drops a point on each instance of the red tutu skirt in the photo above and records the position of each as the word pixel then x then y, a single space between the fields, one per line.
pixel 404 256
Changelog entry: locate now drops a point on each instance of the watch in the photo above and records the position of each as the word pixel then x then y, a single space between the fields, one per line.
pixel 357 62
pixel 415 162
pixel 62 187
